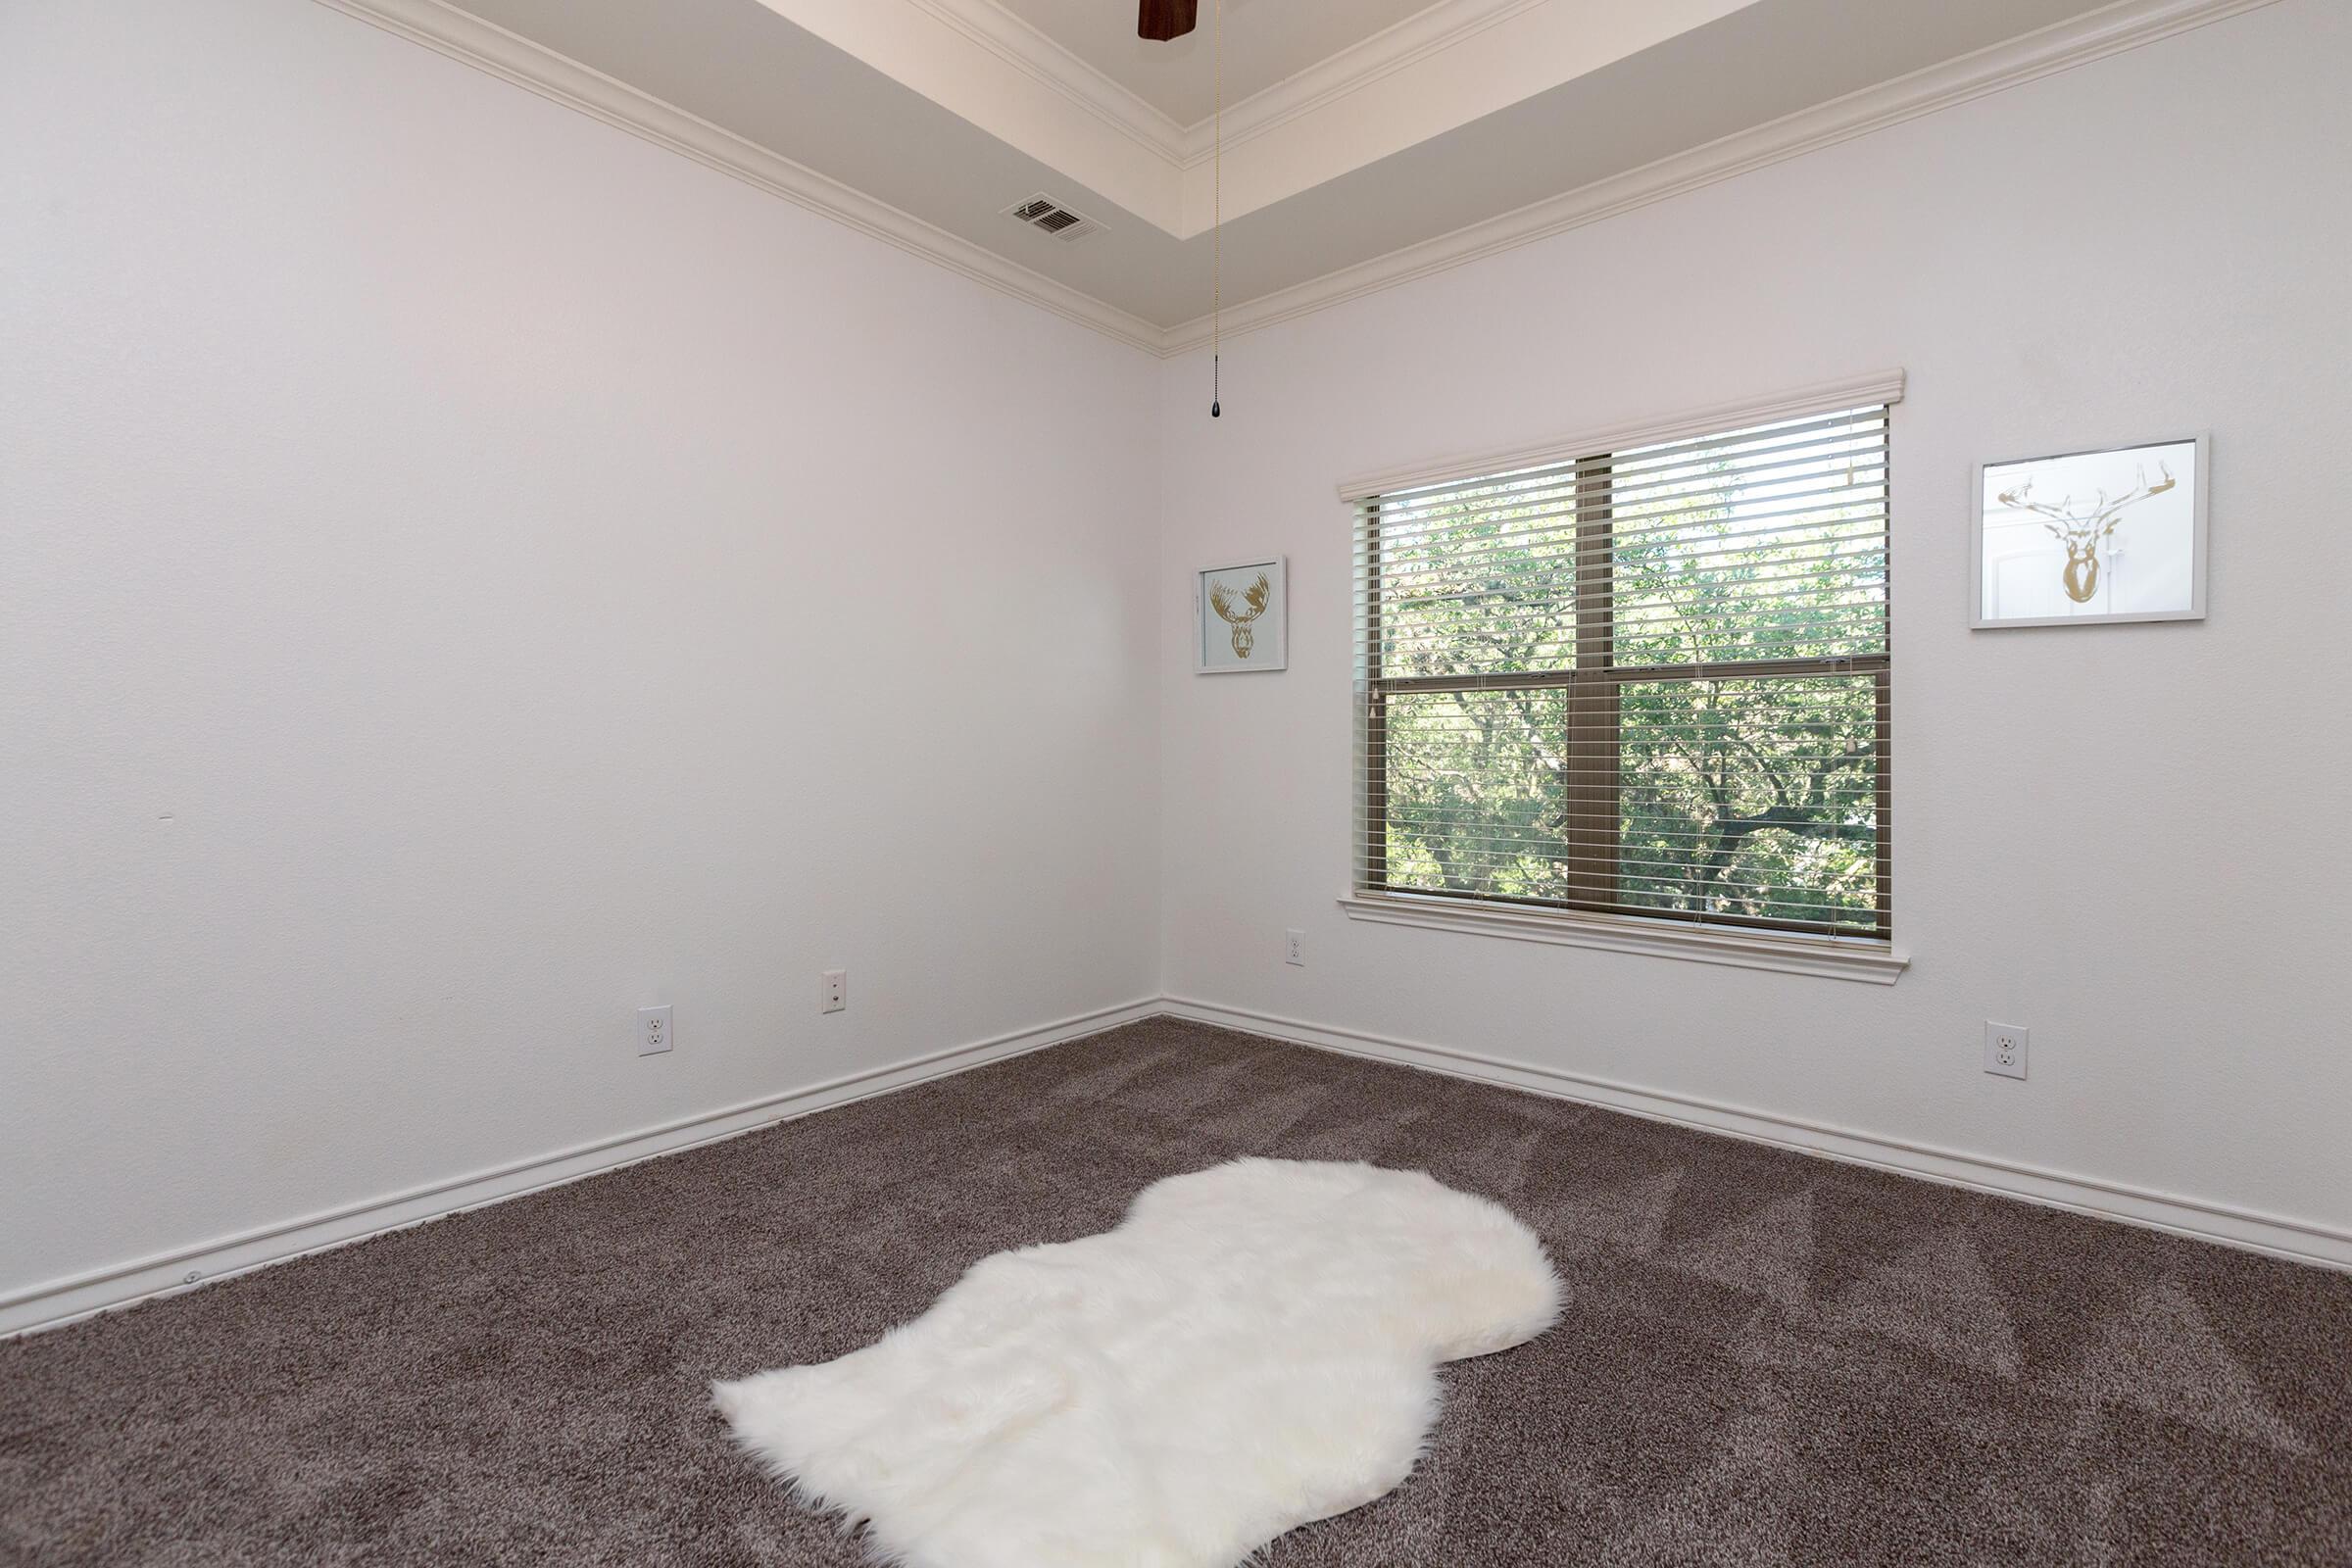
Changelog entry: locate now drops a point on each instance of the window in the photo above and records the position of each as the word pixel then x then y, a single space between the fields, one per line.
pixel 1649 681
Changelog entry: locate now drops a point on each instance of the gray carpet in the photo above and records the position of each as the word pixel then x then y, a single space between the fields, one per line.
pixel 1766 1359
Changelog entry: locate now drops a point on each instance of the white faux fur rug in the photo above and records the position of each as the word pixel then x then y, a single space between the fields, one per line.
pixel 1253 1348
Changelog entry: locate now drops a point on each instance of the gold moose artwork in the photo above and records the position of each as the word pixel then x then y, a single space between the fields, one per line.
pixel 1254 597
pixel 2084 529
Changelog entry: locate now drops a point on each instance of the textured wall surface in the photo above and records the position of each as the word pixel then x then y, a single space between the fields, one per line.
pixel 2124 838
pixel 467 573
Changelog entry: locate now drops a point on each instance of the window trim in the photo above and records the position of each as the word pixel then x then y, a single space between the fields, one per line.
pixel 1871 958
pixel 1868 958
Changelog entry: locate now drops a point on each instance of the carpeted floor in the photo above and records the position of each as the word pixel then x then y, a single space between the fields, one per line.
pixel 1766 1359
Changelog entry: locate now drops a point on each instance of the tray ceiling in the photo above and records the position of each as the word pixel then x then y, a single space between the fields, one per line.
pixel 1266 41
pixel 1421 133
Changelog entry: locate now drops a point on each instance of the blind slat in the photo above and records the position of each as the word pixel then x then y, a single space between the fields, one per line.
pixel 1644 455
pixel 1675 508
pixel 1552 703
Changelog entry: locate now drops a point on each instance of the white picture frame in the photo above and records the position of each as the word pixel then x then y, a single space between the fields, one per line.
pixel 2144 560
pixel 1233 632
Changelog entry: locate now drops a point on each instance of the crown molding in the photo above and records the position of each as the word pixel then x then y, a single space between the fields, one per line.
pixel 989 66
pixel 2063 46
pixel 491 49
pixel 1039 57
pixel 462 36
pixel 1393 48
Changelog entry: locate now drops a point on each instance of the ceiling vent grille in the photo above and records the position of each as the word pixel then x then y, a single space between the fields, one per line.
pixel 1049 216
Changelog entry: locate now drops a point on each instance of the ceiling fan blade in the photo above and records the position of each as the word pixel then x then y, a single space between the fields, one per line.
pixel 1163 20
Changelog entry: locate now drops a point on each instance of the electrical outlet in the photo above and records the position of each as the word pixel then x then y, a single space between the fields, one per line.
pixel 2005 1049
pixel 837 991
pixel 1294 947
pixel 653 1031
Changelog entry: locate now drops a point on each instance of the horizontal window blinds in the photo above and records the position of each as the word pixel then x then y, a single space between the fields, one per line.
pixel 1650 681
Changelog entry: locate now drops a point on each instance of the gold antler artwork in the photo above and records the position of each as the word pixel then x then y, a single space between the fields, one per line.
pixel 2084 531
pixel 1255 596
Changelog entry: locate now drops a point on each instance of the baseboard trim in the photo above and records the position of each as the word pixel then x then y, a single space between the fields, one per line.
pixel 2302 1240
pixel 56 1302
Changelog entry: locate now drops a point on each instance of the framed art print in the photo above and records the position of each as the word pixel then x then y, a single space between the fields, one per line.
pixel 2082 538
pixel 1241 617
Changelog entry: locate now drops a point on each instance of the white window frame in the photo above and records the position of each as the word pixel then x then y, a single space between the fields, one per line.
pixel 1868 958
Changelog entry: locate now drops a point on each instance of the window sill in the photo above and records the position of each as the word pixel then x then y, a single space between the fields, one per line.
pixel 1860 959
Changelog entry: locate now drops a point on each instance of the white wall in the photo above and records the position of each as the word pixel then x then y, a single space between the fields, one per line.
pixel 467 573
pixel 2126 838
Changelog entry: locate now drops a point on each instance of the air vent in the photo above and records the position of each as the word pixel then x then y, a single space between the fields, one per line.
pixel 1047 216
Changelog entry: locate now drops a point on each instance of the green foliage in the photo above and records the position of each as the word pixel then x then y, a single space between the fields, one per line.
pixel 1748 796
pixel 1475 792
pixel 1753 797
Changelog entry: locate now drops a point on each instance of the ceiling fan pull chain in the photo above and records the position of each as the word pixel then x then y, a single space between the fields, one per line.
pixel 1216 229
